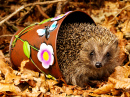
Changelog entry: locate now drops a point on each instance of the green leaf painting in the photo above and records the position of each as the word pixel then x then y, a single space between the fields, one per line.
pixel 45 21
pixel 50 77
pixel 26 49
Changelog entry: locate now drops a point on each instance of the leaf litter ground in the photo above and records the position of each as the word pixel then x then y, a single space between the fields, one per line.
pixel 23 82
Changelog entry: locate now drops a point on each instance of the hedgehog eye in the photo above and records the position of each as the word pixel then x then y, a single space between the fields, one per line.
pixel 92 53
pixel 108 54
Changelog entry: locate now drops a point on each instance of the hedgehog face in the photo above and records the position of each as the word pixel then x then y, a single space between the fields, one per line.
pixel 97 54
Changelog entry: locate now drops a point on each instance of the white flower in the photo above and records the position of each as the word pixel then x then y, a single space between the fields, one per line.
pixel 45 55
pixel 60 16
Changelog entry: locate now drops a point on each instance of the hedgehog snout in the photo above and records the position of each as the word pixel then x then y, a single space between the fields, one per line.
pixel 98 64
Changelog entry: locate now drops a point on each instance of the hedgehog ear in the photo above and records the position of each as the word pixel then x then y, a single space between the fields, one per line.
pixel 115 44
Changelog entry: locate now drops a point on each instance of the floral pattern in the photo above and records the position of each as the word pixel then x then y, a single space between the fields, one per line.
pixel 60 16
pixel 45 55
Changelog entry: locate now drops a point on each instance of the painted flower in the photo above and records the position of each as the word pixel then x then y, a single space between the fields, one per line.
pixel 60 16
pixel 45 21
pixel 45 55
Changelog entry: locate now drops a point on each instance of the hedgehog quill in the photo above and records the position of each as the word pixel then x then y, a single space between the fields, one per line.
pixel 86 52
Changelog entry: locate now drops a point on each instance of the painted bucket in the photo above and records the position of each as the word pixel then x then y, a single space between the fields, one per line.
pixel 38 42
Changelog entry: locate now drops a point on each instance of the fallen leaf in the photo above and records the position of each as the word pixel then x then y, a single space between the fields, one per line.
pixel 104 89
pixel 1 55
pixel 68 89
pixel 51 83
pixel 121 73
pixel 23 63
pixel 119 35
pixel 7 87
pixel 120 84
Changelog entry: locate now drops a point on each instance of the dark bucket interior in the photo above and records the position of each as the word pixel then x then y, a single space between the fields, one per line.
pixel 79 17
pixel 70 37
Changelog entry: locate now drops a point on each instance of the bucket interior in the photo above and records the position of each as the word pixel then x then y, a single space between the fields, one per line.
pixel 70 37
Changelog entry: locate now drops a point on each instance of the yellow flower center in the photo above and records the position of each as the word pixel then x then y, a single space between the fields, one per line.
pixel 61 15
pixel 45 56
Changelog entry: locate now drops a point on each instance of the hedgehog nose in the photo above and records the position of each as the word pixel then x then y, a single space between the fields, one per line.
pixel 98 64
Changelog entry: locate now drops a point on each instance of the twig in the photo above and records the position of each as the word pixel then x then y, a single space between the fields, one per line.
pixel 41 11
pixel 13 27
pixel 48 8
pixel 9 35
pixel 65 3
pixel 3 6
pixel 30 4
pixel 11 15
pixel 58 9
pixel 119 13
pixel 25 15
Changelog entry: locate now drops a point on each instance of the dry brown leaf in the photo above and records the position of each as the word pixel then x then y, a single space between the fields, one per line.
pixel 115 92
pixel 44 87
pixel 51 83
pixel 7 71
pixel 56 95
pixel 104 89
pixel 122 73
pixel 125 94
pixel 41 84
pixel 29 74
pixel 127 47
pixel 12 78
pixel 85 93
pixel 38 84
pixel 119 35
pixel 35 85
pixel 56 90
pixel 106 95
pixel 28 94
pixel 78 92
pixel 111 5
pixel 7 87
pixel 113 30
pixel 23 63
pixel 120 84
pixel 1 55
pixel 68 89
pixel 107 23
pixel 26 73
pixel 18 77
pixel 32 83
pixel 96 95
pixel 125 27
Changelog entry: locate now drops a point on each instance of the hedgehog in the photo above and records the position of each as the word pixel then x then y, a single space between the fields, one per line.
pixel 86 52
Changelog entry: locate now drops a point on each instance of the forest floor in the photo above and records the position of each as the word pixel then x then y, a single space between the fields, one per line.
pixel 15 15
